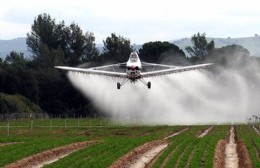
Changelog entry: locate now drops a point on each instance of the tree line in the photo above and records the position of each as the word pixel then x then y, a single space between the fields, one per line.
pixel 51 43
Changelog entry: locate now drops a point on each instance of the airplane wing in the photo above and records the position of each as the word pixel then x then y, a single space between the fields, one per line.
pixel 114 70
pixel 159 69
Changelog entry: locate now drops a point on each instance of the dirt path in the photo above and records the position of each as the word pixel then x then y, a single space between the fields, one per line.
pixel 231 160
pixel 176 133
pixel 232 152
pixel 49 156
pixel 140 156
pixel 204 133
pixel 148 156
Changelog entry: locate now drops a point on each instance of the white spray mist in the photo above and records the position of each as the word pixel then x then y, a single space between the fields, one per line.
pixel 193 97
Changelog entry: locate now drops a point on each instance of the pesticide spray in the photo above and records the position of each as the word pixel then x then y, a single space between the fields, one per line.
pixel 192 97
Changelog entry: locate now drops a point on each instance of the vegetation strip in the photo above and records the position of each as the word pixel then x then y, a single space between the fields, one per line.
pixel 204 133
pixel 45 157
pixel 134 156
pixel 176 133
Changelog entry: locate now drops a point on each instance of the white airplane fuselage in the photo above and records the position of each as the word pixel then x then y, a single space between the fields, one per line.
pixel 133 67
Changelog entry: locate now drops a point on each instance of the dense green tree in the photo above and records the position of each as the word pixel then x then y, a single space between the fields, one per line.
pixel 63 44
pixel 232 56
pixel 80 47
pixel 117 48
pixel 201 48
pixel 43 31
pixel 19 81
pixel 16 59
pixel 159 51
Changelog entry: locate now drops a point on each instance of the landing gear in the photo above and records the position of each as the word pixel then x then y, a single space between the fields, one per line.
pixel 121 84
pixel 118 85
pixel 149 85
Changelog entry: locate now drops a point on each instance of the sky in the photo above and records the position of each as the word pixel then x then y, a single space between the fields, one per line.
pixel 138 20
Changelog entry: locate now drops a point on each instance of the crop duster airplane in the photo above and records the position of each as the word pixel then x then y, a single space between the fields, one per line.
pixel 134 70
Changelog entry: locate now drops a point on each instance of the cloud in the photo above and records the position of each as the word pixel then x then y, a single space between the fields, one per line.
pixel 141 21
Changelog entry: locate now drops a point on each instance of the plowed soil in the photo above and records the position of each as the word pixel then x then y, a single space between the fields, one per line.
pixel 49 156
pixel 231 153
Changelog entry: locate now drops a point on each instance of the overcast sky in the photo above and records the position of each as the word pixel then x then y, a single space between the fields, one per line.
pixel 139 20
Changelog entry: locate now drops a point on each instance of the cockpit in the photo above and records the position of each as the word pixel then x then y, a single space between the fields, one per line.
pixel 133 57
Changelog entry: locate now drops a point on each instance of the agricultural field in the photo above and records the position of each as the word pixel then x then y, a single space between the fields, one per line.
pixel 104 143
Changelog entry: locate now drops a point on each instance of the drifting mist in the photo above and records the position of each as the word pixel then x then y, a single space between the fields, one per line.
pixel 193 97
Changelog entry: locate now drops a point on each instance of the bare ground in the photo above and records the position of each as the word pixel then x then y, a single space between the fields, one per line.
pixel 49 156
pixel 176 133
pixel 243 155
pixel 219 155
pixel 138 156
pixel 231 160
pixel 231 153
pixel 205 132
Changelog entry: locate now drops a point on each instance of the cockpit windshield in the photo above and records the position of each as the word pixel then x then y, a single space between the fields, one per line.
pixel 133 57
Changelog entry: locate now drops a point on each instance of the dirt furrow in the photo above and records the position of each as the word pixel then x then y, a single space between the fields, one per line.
pixel 231 159
pixel 204 133
pixel 176 133
pixel 49 156
pixel 148 156
pixel 232 152
pixel 140 156
pixel 219 154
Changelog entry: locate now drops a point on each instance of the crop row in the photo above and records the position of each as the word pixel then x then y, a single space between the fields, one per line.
pixel 113 142
pixel 186 150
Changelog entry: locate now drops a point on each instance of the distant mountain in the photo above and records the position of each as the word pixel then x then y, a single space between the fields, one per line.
pixel 250 43
pixel 18 45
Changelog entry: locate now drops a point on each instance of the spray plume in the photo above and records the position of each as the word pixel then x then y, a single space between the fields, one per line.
pixel 193 97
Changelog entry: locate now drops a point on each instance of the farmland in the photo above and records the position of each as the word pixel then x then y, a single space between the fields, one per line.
pixel 23 138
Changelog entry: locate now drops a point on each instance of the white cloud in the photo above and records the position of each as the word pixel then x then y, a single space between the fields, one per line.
pixel 139 20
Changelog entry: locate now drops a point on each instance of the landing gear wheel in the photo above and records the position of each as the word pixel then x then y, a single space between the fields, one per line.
pixel 149 85
pixel 118 85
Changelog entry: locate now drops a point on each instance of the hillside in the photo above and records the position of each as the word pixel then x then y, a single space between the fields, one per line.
pixel 17 44
pixel 251 43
